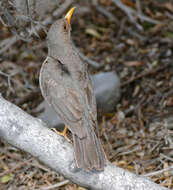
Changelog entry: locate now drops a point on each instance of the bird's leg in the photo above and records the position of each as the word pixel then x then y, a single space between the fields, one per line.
pixel 63 133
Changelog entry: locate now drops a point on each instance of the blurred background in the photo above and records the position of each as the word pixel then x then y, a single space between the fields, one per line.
pixel 128 46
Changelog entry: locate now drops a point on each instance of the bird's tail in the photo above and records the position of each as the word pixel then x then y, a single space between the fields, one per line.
pixel 89 153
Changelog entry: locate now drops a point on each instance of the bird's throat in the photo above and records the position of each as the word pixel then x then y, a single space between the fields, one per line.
pixel 59 52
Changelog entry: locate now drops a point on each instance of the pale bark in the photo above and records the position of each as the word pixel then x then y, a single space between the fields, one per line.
pixel 31 135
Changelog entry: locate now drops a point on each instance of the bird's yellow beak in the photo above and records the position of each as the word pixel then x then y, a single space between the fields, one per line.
pixel 69 14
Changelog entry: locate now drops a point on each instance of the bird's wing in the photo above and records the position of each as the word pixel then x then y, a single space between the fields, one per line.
pixel 88 96
pixel 91 101
pixel 63 97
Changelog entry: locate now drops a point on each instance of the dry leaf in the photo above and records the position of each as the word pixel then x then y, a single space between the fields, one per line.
pixel 120 163
pixel 134 63
pixel 169 102
pixel 5 178
pixel 136 91
pixel 93 32
pixel 129 3
pixel 132 42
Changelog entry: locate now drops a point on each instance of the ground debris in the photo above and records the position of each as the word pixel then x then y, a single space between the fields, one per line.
pixel 137 44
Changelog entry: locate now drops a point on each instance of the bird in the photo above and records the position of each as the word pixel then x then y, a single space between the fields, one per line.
pixel 66 86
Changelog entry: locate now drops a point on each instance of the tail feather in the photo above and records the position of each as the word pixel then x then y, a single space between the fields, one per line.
pixel 89 153
pixel 78 149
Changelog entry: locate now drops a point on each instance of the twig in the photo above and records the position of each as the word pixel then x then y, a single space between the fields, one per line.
pixel 7 43
pixel 167 157
pixel 31 135
pixel 135 149
pixel 62 8
pixel 138 6
pixel 121 28
pixel 8 78
pixel 37 165
pixel 158 172
pixel 131 13
pixel 60 184
pixel 15 167
pixel 170 182
pixel 150 72
pixel 110 16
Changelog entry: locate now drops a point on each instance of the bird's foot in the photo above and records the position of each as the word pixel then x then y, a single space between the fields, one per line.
pixel 63 133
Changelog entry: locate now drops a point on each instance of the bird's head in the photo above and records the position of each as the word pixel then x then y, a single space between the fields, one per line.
pixel 59 32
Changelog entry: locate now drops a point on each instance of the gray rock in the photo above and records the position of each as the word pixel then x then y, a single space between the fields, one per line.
pixel 107 92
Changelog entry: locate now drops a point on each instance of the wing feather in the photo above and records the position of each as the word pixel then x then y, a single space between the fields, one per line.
pixel 64 99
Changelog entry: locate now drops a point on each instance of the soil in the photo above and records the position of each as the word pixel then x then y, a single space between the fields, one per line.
pixel 138 135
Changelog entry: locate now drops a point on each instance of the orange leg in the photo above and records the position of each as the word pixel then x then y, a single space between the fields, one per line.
pixel 63 133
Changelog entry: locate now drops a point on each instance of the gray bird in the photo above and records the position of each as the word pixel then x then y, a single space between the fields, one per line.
pixel 65 84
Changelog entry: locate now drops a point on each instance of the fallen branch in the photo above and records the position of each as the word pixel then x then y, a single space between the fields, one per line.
pixel 31 135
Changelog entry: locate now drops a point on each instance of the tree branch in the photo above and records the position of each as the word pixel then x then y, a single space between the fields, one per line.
pixel 31 135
